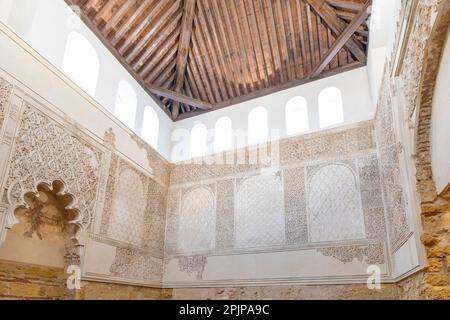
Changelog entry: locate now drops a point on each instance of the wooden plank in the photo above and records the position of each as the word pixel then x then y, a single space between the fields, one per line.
pixel 229 45
pixel 117 17
pixel 137 29
pixel 284 86
pixel 244 45
pixel 145 5
pixel 291 36
pixel 201 54
pixel 155 30
pixel 185 41
pixel 328 14
pixel 215 55
pixel 282 36
pixel 346 5
pixel 249 17
pixel 274 40
pixel 202 72
pixel 271 90
pixel 116 54
pixel 179 97
pixel 306 60
pixel 187 23
pixel 342 39
pixel 193 73
pixel 151 58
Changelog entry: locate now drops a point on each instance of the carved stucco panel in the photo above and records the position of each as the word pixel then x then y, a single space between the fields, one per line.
pixel 136 265
pixel 295 205
pixel 334 204
pixel 389 163
pixel 196 223
pixel 225 214
pixel 259 215
pixel 128 206
pixel 5 93
pixel 46 151
pixel 370 254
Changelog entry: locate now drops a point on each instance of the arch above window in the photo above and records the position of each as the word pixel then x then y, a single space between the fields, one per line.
pixel 297 116
pixel 331 109
pixel 81 62
pixel 223 135
pixel 126 104
pixel 150 126
pixel 198 141
pixel 258 126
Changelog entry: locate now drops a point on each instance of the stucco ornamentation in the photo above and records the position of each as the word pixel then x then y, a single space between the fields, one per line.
pixel 136 265
pixel 5 92
pixel 370 254
pixel 45 151
pixel 193 265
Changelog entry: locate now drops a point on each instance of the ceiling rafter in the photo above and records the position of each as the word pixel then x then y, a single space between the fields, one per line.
pixel 326 12
pixel 195 56
pixel 183 50
pixel 342 39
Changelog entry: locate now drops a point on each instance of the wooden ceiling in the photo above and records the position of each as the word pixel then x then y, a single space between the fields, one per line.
pixel 195 56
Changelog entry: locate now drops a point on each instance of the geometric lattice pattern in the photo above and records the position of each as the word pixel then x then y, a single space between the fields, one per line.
pixel 45 151
pixel 196 226
pixel 5 92
pixel 334 205
pixel 128 209
pixel 260 212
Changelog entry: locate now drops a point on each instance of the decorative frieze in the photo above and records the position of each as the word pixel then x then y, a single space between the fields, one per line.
pixel 370 254
pixel 5 93
pixel 136 265
pixel 193 265
pixel 44 152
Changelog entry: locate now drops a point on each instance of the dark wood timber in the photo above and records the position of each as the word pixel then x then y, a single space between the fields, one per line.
pixel 342 39
pixel 196 56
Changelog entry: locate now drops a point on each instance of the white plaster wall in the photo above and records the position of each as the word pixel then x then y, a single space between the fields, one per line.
pixel 357 106
pixel 440 128
pixel 300 266
pixel 43 24
pixel 21 65
pixel 383 25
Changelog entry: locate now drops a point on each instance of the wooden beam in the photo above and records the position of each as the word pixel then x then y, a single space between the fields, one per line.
pixel 183 49
pixel 342 39
pixel 271 90
pixel 179 97
pixel 346 5
pixel 328 14
pixel 149 88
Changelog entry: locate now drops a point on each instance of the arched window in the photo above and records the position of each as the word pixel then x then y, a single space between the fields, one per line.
pixel 334 204
pixel 196 226
pixel 198 141
pixel 297 116
pixel 81 62
pixel 259 217
pixel 258 126
pixel 150 126
pixel 331 109
pixel 223 135
pixel 126 104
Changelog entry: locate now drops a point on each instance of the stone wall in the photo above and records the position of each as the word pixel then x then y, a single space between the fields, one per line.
pixel 26 281
pixel 411 79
